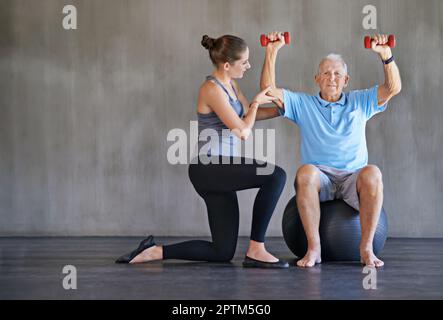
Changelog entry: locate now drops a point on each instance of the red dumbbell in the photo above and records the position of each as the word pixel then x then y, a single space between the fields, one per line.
pixel 391 41
pixel 264 39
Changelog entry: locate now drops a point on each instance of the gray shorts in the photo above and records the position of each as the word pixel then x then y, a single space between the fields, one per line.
pixel 338 184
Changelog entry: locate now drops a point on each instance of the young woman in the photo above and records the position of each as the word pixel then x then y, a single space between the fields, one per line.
pixel 219 172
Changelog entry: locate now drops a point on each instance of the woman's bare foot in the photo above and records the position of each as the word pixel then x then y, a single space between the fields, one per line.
pixel 312 257
pixel 150 254
pixel 257 251
pixel 369 259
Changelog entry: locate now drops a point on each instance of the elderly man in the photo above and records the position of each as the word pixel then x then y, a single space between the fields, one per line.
pixel 334 155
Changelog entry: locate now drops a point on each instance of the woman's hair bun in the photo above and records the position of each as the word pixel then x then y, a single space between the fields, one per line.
pixel 207 42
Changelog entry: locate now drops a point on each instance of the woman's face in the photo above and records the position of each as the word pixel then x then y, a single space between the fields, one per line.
pixel 239 67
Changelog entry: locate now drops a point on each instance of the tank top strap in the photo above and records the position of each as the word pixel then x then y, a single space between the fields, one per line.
pixel 222 86
pixel 235 92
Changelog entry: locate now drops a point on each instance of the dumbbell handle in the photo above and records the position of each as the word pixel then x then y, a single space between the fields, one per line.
pixel 391 41
pixel 264 40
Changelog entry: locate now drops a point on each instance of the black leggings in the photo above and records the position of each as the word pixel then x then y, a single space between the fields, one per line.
pixel 217 185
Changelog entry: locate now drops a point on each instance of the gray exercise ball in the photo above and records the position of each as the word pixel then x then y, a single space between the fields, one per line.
pixel 340 231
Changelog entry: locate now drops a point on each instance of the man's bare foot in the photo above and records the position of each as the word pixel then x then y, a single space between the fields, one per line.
pixel 312 257
pixel 150 254
pixel 369 259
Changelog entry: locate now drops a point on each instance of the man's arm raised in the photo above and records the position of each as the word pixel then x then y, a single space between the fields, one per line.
pixel 392 84
pixel 268 72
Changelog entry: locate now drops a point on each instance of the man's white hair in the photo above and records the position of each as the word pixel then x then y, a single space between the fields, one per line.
pixel 334 57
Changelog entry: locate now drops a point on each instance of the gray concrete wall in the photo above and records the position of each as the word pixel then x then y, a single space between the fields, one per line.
pixel 85 113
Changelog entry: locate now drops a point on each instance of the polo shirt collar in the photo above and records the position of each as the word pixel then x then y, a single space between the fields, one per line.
pixel 325 103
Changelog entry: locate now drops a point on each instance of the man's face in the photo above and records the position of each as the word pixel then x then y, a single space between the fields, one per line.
pixel 331 78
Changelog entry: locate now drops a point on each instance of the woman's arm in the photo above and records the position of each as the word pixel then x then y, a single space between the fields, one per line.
pixel 262 113
pixel 218 102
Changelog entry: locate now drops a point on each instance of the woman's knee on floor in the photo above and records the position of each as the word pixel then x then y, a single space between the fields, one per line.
pixel 224 254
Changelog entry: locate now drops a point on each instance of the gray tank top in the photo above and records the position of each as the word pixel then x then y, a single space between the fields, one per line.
pixel 218 140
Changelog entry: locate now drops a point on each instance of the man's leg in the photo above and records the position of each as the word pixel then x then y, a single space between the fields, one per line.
pixel 370 194
pixel 307 185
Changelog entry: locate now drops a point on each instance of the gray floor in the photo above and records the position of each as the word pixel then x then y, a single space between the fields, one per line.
pixel 31 268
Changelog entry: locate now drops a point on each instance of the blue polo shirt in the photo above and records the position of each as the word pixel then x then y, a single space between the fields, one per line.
pixel 333 133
